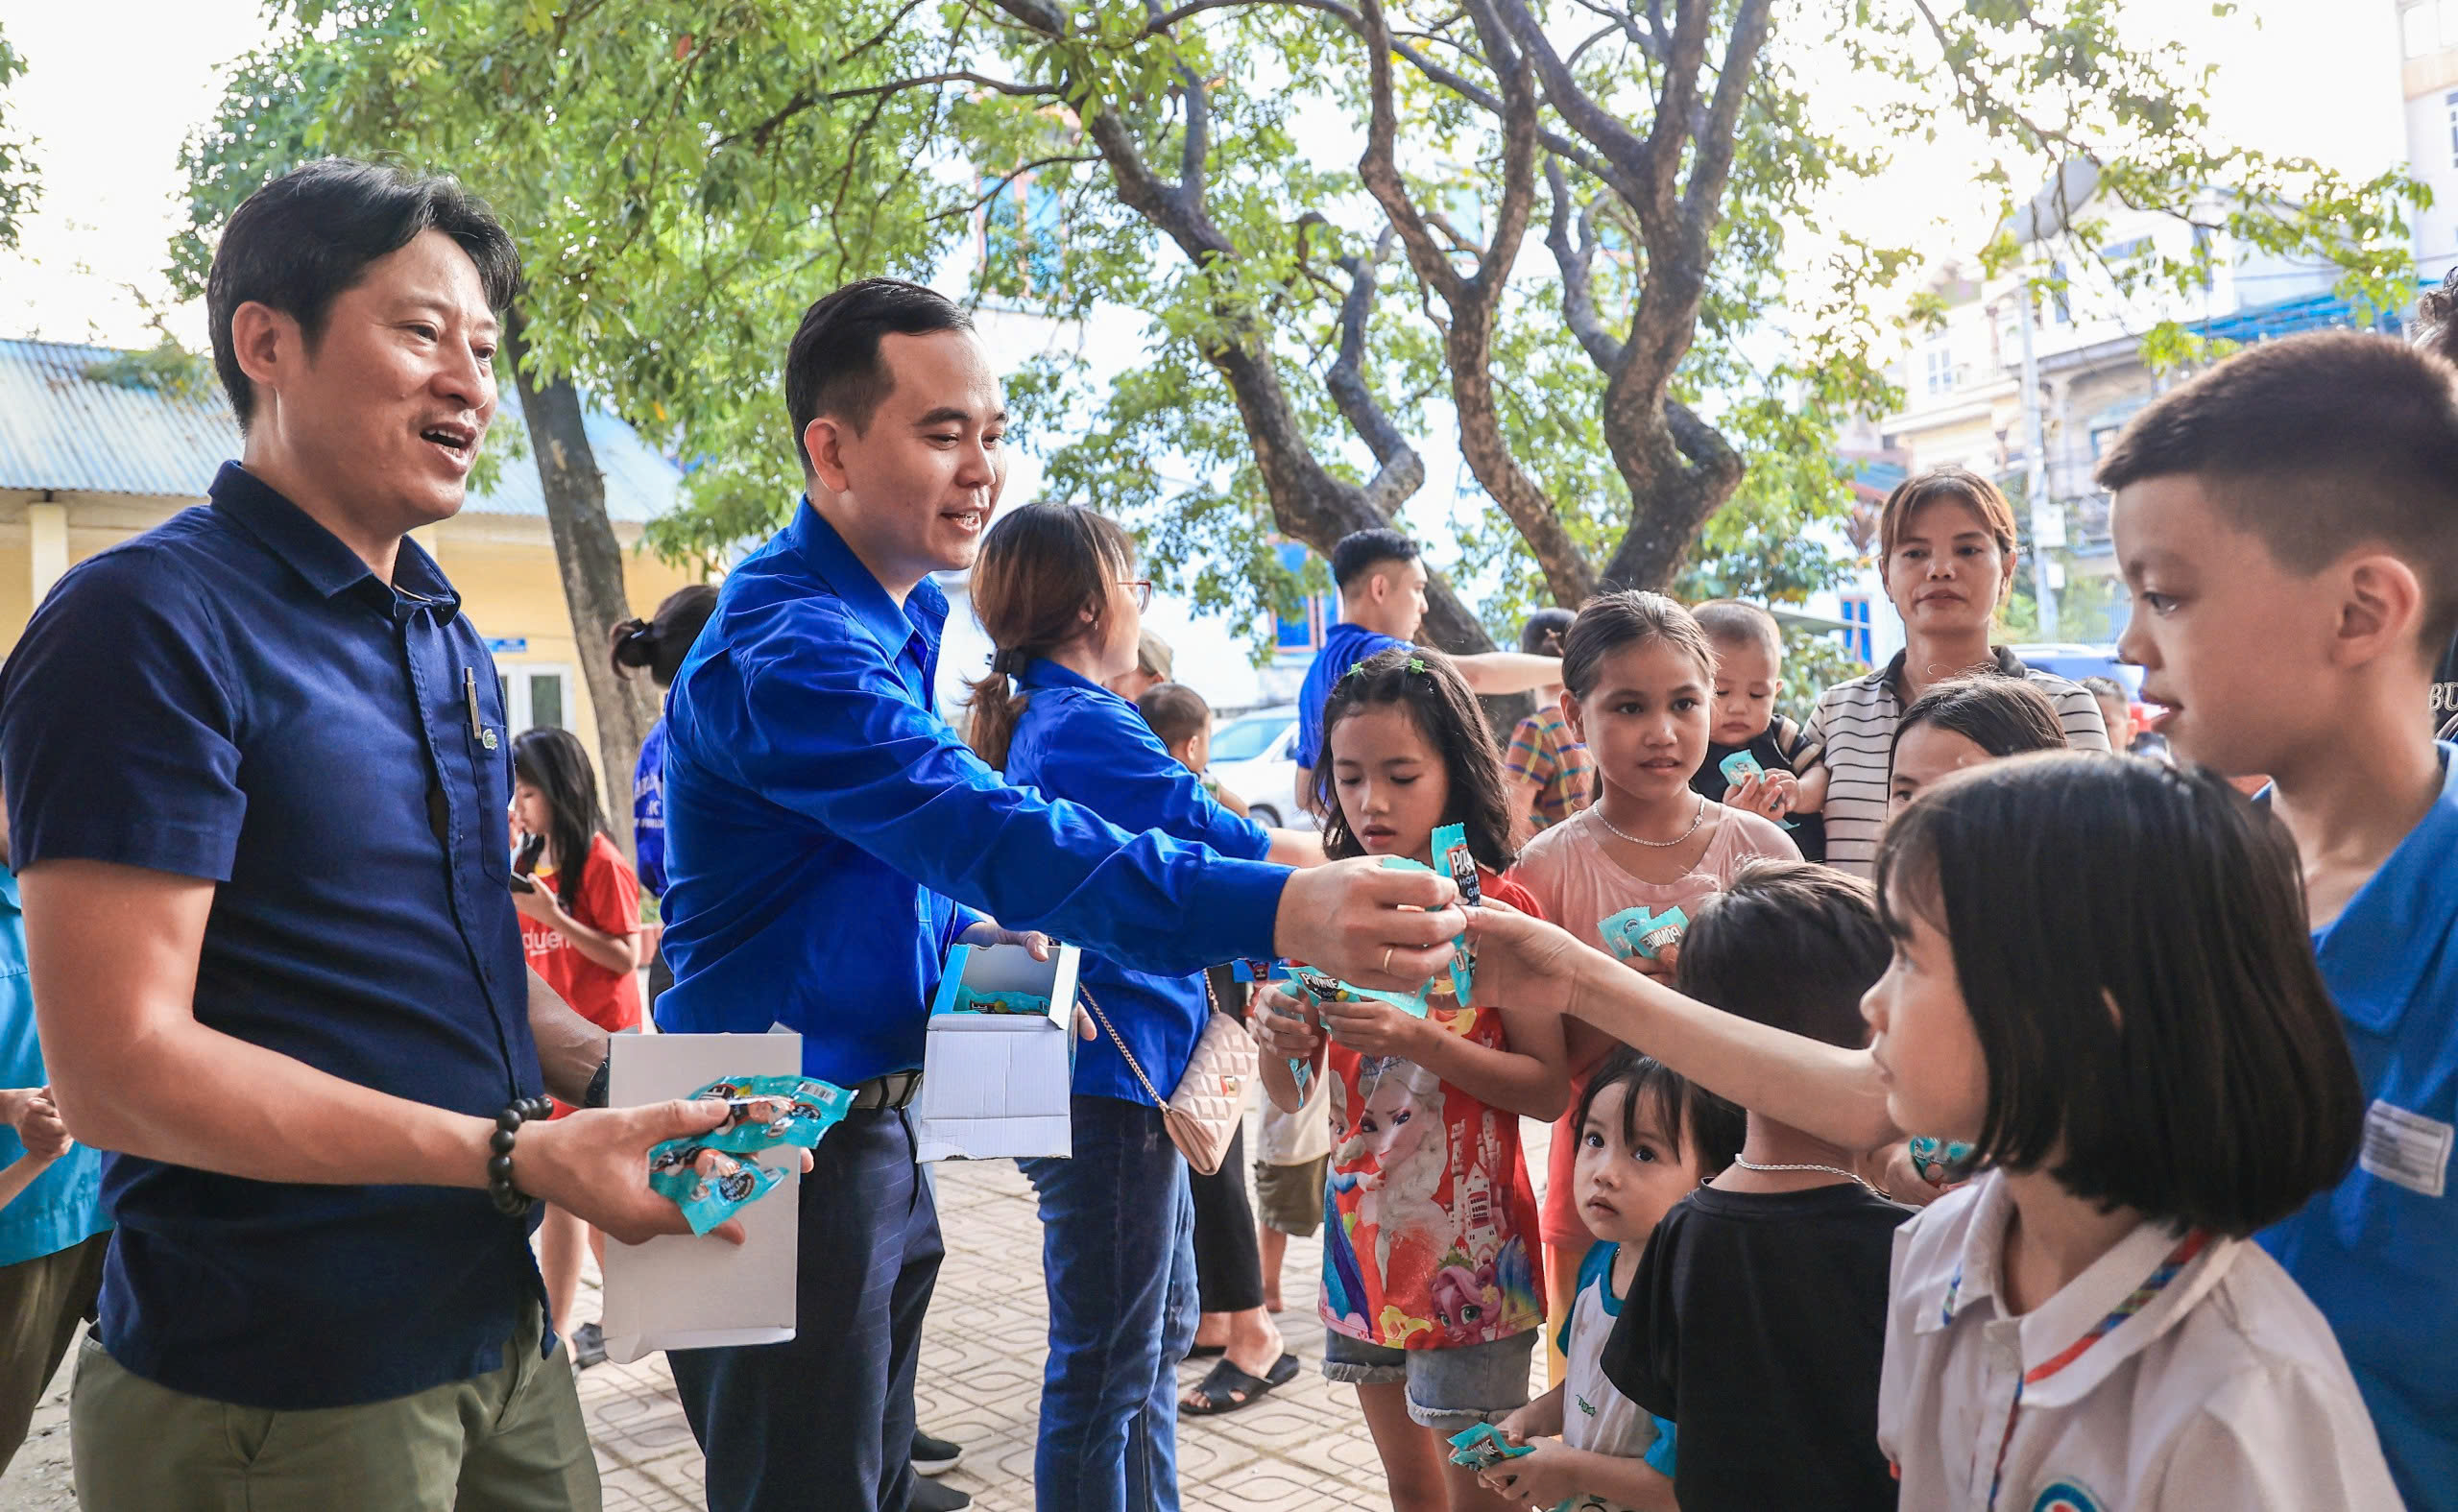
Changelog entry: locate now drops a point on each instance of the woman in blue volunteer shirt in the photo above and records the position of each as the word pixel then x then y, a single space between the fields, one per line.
pixel 658 644
pixel 1054 589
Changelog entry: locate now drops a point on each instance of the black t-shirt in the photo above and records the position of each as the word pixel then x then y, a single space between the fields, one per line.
pixel 2444 695
pixel 1780 747
pixel 1757 1325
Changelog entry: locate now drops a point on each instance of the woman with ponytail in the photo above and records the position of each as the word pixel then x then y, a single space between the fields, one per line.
pixel 1055 588
pixel 658 646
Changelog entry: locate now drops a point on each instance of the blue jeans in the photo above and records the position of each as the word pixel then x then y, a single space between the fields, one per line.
pixel 1117 1252
pixel 826 1418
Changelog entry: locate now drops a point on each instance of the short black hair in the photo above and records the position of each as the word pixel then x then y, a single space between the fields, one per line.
pixel 1542 635
pixel 833 365
pixel 1176 712
pixel 2001 716
pixel 660 642
pixel 305 239
pixel 1361 551
pixel 2319 444
pixel 2131 942
pixel 1789 944
pixel 1693 1116
pixel 1425 682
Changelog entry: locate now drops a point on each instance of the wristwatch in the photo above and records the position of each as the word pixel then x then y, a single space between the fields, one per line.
pixel 596 1096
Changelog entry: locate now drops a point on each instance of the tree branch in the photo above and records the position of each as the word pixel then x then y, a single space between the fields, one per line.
pixel 1577 267
pixel 1712 169
pixel 809 99
pixel 1402 471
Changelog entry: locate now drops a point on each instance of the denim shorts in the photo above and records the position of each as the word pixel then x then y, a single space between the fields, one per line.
pixel 1449 1389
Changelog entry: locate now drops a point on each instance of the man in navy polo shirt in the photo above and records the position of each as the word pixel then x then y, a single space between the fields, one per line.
pixel 828 838
pixel 257 772
pixel 1381 579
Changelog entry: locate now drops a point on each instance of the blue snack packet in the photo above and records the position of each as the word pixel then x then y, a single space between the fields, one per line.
pixel 969 1001
pixel 1482 1448
pixel 1738 767
pixel 1940 1162
pixel 1451 846
pixel 1300 1070
pixel 773 1110
pixel 1640 932
pixel 707 1200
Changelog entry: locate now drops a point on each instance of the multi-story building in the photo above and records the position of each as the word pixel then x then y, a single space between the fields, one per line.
pixel 2429 45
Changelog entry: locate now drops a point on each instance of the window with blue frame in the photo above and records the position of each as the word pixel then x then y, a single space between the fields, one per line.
pixel 1856 615
pixel 1023 238
pixel 1298 636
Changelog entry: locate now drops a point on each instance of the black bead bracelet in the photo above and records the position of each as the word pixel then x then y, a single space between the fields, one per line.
pixel 509 1199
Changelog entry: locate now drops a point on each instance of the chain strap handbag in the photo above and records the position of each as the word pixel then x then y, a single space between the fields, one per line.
pixel 1203 1112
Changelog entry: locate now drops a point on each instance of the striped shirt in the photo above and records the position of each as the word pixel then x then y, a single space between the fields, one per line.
pixel 1544 752
pixel 1856 721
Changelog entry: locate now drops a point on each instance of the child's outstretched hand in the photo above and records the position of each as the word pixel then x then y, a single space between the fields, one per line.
pixel 1280 1026
pixel 1770 795
pixel 1372 1028
pixel 36 1119
pixel 1545 1475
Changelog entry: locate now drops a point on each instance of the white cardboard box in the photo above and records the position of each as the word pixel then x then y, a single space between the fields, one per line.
pixel 999 1084
pixel 681 1291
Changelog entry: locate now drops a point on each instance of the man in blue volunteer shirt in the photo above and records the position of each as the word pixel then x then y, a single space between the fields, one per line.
pixel 829 837
pixel 256 772
pixel 1382 580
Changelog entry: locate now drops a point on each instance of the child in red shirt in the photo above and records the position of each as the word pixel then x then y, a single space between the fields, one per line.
pixel 580 922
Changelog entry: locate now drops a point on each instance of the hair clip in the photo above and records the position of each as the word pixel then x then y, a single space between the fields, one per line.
pixel 1417 665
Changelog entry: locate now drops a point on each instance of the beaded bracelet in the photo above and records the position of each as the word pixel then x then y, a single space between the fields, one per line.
pixel 509 1199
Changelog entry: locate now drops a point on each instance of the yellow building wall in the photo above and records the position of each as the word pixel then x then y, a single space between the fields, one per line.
pixel 503 565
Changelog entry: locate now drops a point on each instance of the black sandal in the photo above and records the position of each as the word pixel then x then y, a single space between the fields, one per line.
pixel 1207 1352
pixel 1228 1388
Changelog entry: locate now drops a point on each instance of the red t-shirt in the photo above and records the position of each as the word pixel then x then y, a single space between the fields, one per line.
pixel 608 900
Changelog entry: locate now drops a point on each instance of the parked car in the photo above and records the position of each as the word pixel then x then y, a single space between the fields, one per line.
pixel 1250 758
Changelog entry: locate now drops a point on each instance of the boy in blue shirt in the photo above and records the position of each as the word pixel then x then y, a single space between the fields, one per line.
pixel 53 1234
pixel 2288 526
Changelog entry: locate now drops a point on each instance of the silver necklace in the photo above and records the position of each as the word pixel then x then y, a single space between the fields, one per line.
pixel 1807 1165
pixel 1695 821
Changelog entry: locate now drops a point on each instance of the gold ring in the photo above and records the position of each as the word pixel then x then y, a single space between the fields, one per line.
pixel 1386 958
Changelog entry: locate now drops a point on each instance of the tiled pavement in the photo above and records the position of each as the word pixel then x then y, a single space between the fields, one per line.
pixel 1304 1446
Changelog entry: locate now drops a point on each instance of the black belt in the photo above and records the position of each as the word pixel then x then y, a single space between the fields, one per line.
pixel 891 1091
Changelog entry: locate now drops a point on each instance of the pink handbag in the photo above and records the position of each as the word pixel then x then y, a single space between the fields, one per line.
pixel 1203 1112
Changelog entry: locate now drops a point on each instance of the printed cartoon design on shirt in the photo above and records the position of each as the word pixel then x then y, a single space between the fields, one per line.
pixel 1428 1209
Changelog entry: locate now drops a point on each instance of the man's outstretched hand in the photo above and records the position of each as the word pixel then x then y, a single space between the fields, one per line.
pixel 595 1165
pixel 1368 924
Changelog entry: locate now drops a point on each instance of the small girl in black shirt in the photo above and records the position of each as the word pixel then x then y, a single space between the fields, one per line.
pixel 1762 1300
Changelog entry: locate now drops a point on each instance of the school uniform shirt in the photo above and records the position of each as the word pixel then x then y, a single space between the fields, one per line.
pixel 2179 1373
pixel 1757 1322
pixel 1344 646
pixel 1596 1416
pixel 1579 885
pixel 648 809
pixel 1430 1239
pixel 1783 746
pixel 2379 1252
pixel 1855 723
pixel 608 902
pixel 1543 751
pixel 1078 741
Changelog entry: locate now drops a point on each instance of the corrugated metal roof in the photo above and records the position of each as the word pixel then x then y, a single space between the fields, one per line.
pixel 60 429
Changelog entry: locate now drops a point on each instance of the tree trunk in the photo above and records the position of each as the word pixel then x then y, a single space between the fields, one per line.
pixel 591 563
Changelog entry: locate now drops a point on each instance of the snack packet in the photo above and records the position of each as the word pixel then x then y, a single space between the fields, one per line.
pixel 1940 1162
pixel 708 1199
pixel 1002 1002
pixel 1640 932
pixel 1482 1448
pixel 772 1111
pixel 1451 846
pixel 1738 767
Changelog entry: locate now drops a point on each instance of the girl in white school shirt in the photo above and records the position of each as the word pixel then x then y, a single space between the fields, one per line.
pixel 2102 980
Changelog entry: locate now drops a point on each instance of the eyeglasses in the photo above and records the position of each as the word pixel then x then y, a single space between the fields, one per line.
pixel 1143 590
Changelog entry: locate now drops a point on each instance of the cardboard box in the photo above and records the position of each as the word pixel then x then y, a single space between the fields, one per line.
pixel 684 1292
pixel 999 1084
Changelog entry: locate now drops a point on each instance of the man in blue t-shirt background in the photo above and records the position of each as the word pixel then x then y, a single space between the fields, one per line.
pixel 1381 579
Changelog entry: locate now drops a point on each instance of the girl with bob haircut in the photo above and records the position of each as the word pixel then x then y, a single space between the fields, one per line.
pixel 1965 723
pixel 2102 980
pixel 1055 588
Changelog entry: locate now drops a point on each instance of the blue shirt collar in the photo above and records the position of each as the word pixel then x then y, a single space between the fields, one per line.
pixel 2376 952
pixel 1043 672
pixel 316 554
pixel 821 550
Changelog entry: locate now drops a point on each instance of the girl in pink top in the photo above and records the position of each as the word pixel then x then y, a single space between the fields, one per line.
pixel 1638 678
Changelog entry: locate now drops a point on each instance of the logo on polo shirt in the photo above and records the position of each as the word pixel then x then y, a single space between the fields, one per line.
pixel 2064 1496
